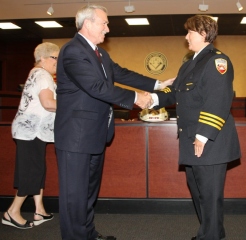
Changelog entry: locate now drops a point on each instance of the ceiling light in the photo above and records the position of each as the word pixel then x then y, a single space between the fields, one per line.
pixel 239 6
pixel 137 21
pixel 203 7
pixel 130 8
pixel 50 10
pixel 49 24
pixel 243 20
pixel 8 25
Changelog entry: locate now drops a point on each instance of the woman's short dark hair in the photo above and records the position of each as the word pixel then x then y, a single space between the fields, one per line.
pixel 203 23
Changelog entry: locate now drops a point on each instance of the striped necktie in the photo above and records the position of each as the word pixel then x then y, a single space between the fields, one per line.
pixel 98 54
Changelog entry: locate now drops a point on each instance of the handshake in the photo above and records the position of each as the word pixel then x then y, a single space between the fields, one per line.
pixel 145 99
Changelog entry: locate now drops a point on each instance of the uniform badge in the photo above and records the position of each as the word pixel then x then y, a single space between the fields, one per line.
pixel 221 65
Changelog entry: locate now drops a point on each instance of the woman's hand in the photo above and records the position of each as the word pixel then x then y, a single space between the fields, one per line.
pixel 198 147
pixel 167 82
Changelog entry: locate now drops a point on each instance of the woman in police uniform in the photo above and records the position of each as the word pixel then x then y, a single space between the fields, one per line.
pixel 208 139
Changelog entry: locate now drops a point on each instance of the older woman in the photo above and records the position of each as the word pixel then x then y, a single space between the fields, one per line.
pixel 32 128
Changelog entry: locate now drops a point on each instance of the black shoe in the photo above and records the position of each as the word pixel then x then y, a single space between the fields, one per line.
pixel 11 222
pixel 43 219
pixel 100 237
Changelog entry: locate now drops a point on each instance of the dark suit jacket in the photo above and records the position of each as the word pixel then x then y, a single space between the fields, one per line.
pixel 203 94
pixel 84 96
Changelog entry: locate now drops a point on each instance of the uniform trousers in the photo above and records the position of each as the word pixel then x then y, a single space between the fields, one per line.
pixel 206 185
pixel 79 183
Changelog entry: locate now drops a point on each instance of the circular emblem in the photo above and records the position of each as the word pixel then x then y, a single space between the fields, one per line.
pixel 155 63
pixel 188 56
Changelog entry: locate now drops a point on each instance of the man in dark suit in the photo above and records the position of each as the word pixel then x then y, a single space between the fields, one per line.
pixel 208 140
pixel 84 118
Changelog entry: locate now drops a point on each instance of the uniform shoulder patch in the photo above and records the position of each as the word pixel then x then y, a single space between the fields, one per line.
pixel 221 65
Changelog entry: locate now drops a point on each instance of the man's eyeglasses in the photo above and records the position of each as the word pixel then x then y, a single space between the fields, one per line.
pixel 54 57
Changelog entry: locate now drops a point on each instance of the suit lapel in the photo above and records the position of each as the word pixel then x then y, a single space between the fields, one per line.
pixel 197 59
pixel 184 71
pixel 91 53
pixel 103 64
pixel 191 64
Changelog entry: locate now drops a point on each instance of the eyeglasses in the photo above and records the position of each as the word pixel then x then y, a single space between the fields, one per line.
pixel 54 57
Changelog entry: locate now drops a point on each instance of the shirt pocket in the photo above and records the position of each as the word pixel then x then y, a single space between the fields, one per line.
pixel 190 96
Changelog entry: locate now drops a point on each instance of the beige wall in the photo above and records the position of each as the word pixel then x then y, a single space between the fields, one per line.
pixel 131 53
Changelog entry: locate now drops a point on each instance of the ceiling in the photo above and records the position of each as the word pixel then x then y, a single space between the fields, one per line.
pixel 166 17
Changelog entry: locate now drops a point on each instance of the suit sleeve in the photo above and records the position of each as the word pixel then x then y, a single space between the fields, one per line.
pixel 85 72
pixel 133 79
pixel 217 93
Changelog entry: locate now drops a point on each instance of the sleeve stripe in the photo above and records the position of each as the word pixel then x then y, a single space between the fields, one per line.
pixel 212 120
pixel 166 90
pixel 213 116
pixel 209 123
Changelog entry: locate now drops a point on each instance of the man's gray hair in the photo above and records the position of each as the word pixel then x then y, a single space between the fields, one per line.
pixel 87 12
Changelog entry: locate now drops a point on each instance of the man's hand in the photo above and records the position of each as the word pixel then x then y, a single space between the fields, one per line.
pixel 198 147
pixel 144 100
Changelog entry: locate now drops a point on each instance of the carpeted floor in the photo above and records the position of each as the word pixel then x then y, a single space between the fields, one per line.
pixel 131 227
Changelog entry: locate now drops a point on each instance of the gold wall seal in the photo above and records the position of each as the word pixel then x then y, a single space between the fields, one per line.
pixel 155 63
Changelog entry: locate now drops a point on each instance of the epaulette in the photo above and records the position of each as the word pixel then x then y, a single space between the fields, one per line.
pixel 216 51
